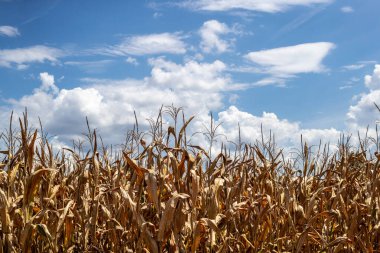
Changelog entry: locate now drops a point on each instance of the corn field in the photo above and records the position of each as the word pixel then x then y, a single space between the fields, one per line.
pixel 165 195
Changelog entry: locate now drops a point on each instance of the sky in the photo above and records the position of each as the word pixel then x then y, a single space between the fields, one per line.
pixel 294 67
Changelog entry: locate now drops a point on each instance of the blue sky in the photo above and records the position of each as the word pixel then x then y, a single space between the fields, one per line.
pixel 297 67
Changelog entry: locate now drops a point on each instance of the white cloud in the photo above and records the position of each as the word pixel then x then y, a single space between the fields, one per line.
pixel 132 61
pixel 169 43
pixel 314 136
pixel 210 33
pixel 233 98
pixel 278 81
pixel 286 62
pixel 373 81
pixel 354 66
pixel 287 134
pixel 302 58
pixel 192 75
pixel 350 83
pixel 196 57
pixel 344 87
pixel 22 66
pixel 9 31
pixel 23 56
pixel 250 125
pixel 347 9
pixel 364 113
pixel 270 6
pixel 48 84
pixel 109 104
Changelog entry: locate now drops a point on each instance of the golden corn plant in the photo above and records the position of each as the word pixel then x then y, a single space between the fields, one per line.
pixel 170 196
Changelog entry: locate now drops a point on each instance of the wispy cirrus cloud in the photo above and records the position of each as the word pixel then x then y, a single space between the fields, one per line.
pixel 21 57
pixel 9 31
pixel 350 83
pixel 358 65
pixel 90 66
pixel 270 6
pixel 353 66
pixel 150 44
pixel 299 21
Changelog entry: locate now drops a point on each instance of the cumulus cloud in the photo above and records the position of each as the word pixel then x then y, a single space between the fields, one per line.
pixel 314 136
pixel 364 113
pixel 270 6
pixel 192 75
pixel 47 83
pixel 210 33
pixel 373 81
pixel 354 66
pixel 109 104
pixel 9 31
pixel 169 43
pixel 287 134
pixel 23 56
pixel 250 125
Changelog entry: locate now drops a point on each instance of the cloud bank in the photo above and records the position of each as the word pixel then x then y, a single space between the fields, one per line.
pixel 110 104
